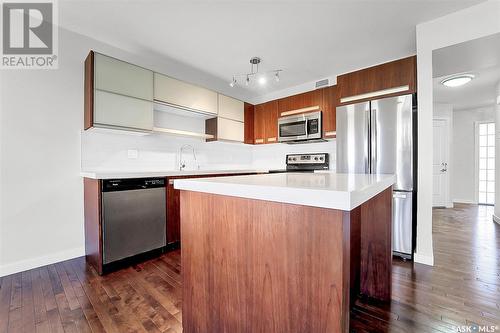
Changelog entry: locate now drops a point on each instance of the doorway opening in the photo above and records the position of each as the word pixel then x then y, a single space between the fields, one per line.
pixel 466 86
pixel 485 161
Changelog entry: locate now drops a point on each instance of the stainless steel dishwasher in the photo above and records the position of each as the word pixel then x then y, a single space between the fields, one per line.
pixel 134 217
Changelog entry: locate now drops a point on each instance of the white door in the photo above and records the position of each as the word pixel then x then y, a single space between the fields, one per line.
pixel 440 163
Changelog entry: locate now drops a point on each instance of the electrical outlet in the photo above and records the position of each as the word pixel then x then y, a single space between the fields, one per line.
pixel 132 153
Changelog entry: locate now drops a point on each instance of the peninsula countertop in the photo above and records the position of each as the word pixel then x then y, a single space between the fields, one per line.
pixel 327 190
pixel 107 174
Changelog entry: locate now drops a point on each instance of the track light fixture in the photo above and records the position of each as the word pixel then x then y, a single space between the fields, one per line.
pixel 254 70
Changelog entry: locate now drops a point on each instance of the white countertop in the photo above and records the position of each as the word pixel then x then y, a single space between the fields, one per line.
pixel 327 190
pixel 105 174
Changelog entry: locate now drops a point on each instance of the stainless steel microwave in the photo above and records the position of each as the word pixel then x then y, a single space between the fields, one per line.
pixel 300 127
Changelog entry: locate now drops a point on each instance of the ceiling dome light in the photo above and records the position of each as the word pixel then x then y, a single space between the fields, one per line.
pixel 457 80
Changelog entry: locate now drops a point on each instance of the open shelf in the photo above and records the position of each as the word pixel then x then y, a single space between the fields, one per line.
pixel 182 133
pixel 171 120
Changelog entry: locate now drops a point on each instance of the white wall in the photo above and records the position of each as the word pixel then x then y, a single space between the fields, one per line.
pixel 463 184
pixel 474 22
pixel 41 114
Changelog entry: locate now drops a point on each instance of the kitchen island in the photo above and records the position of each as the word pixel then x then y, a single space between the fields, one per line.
pixel 283 252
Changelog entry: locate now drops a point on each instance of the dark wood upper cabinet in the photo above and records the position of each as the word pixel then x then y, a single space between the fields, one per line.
pixel 394 74
pixel 259 129
pixel 265 117
pixel 271 121
pixel 266 122
pixel 300 101
pixel 249 124
pixel 330 100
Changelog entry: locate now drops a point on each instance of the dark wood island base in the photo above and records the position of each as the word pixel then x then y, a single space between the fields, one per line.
pixel 259 266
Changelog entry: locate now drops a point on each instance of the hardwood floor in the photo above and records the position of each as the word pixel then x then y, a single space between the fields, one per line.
pixel 463 288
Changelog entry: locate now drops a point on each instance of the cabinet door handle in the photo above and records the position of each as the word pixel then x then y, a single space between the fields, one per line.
pixel 259 140
pixel 271 139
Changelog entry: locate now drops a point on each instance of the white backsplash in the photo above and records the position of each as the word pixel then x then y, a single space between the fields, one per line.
pixel 109 150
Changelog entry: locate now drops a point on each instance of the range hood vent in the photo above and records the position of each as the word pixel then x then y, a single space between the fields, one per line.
pixel 322 83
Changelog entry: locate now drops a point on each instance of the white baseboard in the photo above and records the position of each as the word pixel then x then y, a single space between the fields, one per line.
pixel 24 265
pixel 465 201
pixel 423 259
pixel 496 219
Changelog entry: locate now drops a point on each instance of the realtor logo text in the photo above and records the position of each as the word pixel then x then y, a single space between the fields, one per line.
pixel 29 34
pixel 474 328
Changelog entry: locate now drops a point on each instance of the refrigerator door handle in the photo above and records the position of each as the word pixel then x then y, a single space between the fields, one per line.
pixel 373 140
pixel 367 145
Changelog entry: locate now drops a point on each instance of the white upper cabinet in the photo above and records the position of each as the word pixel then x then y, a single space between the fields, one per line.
pixel 114 110
pixel 230 130
pixel 231 108
pixel 184 95
pixel 120 77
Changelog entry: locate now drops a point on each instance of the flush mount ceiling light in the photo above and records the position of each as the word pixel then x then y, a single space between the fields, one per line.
pixel 457 80
pixel 254 73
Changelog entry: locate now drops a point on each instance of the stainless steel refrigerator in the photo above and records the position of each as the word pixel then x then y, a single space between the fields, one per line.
pixel 377 137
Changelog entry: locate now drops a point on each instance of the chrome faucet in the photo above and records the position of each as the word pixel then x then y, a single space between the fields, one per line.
pixel 182 163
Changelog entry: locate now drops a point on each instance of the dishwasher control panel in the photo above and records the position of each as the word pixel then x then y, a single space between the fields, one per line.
pixel 129 184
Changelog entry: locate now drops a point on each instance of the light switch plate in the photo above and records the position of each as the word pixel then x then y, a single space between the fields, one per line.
pixel 132 153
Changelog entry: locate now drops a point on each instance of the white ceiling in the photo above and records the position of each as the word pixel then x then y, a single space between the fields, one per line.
pixel 480 57
pixel 309 40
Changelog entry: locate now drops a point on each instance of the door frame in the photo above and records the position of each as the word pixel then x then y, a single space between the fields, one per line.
pixel 476 158
pixel 448 203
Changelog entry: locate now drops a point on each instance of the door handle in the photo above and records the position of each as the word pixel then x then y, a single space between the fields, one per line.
pixel 445 167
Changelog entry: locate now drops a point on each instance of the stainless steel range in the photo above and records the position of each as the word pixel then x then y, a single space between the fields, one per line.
pixel 305 163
